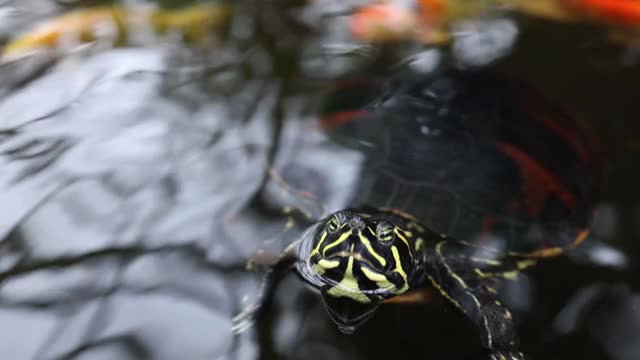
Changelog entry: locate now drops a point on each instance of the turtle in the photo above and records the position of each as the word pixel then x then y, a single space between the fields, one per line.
pixel 469 177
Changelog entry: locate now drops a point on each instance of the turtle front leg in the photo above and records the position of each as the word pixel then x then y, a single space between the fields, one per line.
pixel 275 273
pixel 474 296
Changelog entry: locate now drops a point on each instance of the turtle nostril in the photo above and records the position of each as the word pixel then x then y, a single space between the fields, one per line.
pixel 356 224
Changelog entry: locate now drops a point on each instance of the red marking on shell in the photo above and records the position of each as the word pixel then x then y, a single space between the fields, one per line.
pixel 538 183
pixel 572 130
pixel 419 296
pixel 566 134
pixel 334 120
pixel 489 222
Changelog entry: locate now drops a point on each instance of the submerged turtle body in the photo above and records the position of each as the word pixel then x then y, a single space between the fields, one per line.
pixel 472 154
pixel 467 178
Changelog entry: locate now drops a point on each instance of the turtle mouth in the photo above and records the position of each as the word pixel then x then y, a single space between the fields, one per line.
pixel 347 314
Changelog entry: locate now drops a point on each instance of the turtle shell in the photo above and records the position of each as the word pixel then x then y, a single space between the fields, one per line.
pixel 476 156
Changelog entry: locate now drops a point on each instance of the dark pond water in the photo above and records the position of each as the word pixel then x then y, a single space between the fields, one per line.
pixel 129 179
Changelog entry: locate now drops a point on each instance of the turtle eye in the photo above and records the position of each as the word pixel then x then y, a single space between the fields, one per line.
pixel 333 225
pixel 385 233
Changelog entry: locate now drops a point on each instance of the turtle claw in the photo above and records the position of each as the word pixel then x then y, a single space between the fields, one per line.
pixel 506 355
pixel 244 320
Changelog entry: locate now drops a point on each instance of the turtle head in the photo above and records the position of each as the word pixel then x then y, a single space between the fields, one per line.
pixel 358 258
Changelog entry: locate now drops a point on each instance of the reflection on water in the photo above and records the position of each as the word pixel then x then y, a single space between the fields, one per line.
pixel 135 183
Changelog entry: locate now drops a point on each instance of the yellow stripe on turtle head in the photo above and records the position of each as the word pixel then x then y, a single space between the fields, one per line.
pixel 401 235
pixel 348 286
pixel 367 244
pixel 324 265
pixel 379 279
pixel 340 239
pixel 399 270
pixel 316 250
